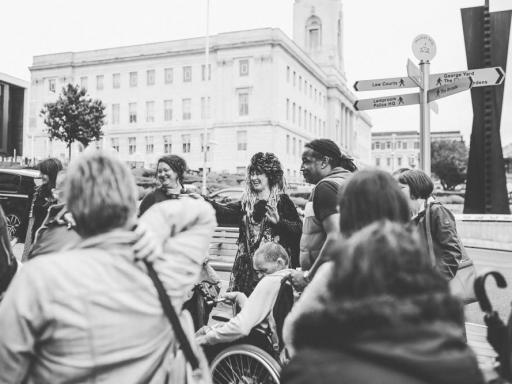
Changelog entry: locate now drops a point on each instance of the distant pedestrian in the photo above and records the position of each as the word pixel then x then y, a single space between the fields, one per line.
pixel 170 171
pixel 324 165
pixel 42 200
pixel 265 214
pixel 384 316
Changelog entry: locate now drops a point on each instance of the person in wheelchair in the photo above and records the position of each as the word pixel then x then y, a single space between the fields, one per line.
pixel 255 323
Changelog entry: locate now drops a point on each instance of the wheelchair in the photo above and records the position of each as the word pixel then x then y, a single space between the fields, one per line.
pixel 257 358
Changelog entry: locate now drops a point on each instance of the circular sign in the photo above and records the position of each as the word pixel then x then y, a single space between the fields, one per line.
pixel 424 47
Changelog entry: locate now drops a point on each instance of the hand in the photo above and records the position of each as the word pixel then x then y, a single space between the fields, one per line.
pixel 298 280
pixel 202 331
pixel 201 340
pixel 272 214
pixel 147 246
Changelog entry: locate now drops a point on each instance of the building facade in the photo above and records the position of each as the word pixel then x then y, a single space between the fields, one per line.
pixel 261 91
pixel 394 150
pixel 13 109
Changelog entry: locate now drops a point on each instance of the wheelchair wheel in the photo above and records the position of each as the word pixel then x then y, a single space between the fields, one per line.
pixel 245 364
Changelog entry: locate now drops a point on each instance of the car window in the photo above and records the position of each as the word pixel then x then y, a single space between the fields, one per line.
pixel 27 185
pixel 9 182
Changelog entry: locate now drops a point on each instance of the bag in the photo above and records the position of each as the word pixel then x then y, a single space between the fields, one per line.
pixel 189 364
pixel 462 284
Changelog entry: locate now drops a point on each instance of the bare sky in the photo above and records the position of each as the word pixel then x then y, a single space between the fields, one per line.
pixel 377 37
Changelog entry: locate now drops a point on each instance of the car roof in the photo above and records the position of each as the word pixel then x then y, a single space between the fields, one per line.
pixel 22 172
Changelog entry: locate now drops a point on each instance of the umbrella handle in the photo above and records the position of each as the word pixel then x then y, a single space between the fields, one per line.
pixel 480 292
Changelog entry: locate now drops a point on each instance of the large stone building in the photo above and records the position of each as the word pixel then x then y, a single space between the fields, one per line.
pixel 395 149
pixel 262 91
pixel 13 109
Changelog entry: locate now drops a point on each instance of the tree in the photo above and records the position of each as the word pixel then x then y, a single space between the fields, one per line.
pixel 74 117
pixel 449 162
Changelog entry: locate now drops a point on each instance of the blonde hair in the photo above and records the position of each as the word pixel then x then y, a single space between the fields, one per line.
pixel 100 193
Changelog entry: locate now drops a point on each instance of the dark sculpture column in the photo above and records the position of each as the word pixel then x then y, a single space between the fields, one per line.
pixel 486 37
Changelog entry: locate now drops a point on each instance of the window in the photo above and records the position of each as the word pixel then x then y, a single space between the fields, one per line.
pixel 203 74
pixel 416 145
pixel 133 79
pixel 132 145
pixel 116 80
pixel 99 82
pixel 294 146
pixel 388 144
pixel 300 115
pixel 51 85
pixel 241 140
pixel 132 112
pixel 114 143
pixel 310 121
pixel 186 106
pixel 310 90
pixel 149 144
pixel 377 161
pixel 150 77
pixel 377 145
pixel 150 111
pixel 300 147
pixel 287 109
pixel 398 144
pixel 306 87
pixel 293 113
pixel 388 161
pixel 243 104
pixel 167 110
pixel 294 78
pixel 300 83
pixel 207 142
pixel 115 114
pixel 287 74
pixel 168 75
pixel 411 161
pixel 167 144
pixel 83 82
pixel 288 144
pixel 187 74
pixel 404 145
pixel 373 146
pixel 244 67
pixel 399 161
pixel 313 33
pixel 205 107
pixel 185 140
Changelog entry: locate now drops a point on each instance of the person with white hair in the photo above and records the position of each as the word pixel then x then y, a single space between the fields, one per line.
pixel 92 314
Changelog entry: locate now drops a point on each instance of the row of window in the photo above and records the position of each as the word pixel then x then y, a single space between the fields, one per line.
pixel 304 85
pixel 168 109
pixel 394 145
pixel 296 146
pixel 186 144
pixel 400 162
pixel 311 123
pixel 151 74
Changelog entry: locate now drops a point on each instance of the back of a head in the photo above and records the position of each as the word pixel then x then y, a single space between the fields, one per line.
pixel 368 196
pixel 100 192
pixel 386 262
pixel 272 252
pixel 420 184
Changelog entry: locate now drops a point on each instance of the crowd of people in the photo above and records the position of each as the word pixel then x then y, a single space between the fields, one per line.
pixel 370 300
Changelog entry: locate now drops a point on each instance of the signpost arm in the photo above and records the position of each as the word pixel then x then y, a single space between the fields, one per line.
pixel 425 119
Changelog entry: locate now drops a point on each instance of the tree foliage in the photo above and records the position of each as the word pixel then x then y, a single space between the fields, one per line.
pixel 74 117
pixel 449 162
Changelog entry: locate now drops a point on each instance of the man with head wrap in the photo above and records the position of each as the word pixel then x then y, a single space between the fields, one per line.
pixel 326 166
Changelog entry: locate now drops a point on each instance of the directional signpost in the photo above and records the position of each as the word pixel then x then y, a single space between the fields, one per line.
pixel 432 87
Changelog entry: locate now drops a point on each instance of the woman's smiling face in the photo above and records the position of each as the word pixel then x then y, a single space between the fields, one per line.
pixel 167 177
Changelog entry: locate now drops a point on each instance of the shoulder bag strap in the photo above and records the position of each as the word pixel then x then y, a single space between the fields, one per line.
pixel 428 231
pixel 169 311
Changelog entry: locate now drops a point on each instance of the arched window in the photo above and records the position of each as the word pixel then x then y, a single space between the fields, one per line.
pixel 313 33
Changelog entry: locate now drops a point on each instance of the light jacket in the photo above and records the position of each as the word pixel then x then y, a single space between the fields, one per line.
pixel 91 315
pixel 313 234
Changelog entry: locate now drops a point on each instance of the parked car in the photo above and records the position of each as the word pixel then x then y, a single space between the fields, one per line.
pixel 227 195
pixel 16 190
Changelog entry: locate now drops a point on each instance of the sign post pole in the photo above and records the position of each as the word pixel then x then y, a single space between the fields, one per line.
pixel 425 120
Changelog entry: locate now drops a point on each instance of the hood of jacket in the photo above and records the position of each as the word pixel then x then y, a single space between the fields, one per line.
pixel 420 336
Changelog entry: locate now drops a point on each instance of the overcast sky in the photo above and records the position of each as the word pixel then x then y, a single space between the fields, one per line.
pixel 377 37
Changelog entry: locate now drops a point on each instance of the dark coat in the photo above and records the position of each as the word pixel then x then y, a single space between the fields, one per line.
pixel 156 196
pixel 8 263
pixel 448 248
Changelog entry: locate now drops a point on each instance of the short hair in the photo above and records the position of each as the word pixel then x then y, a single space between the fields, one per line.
pixel 50 167
pixel 273 252
pixel 100 193
pixel 420 184
pixel 368 196
pixel 177 164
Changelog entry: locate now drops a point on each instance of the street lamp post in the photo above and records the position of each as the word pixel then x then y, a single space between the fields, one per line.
pixel 206 73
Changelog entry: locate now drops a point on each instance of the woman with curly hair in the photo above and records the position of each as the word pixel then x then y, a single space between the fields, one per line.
pixel 169 172
pixel 264 214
